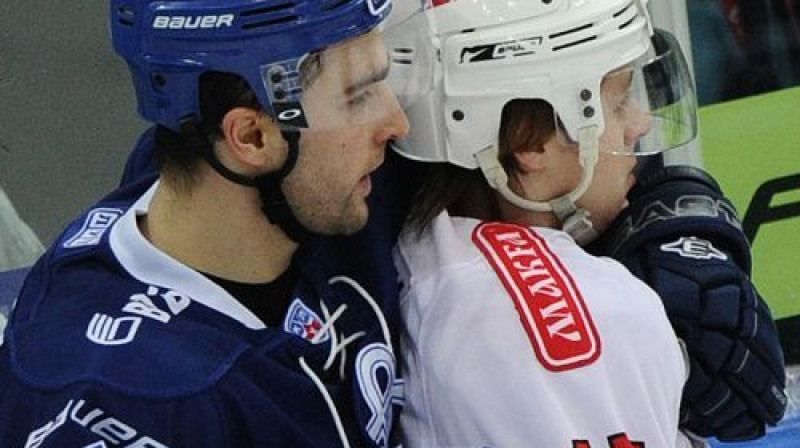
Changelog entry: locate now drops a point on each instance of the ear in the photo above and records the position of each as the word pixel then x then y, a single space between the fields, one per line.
pixel 253 139
pixel 539 158
pixel 531 160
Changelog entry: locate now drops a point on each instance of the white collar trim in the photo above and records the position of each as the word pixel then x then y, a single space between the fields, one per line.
pixel 148 264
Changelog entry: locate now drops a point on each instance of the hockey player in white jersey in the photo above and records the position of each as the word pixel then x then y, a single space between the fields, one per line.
pixel 514 335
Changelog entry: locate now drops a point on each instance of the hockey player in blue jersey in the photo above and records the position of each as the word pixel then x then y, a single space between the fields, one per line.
pixel 175 313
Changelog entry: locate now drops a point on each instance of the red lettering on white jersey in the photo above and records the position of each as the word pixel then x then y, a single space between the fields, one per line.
pixel 550 306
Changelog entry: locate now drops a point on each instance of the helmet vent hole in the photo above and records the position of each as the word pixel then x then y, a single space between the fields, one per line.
pixel 575 43
pixel 126 16
pixel 628 23
pixel 329 6
pixel 403 55
pixel 623 10
pixel 266 10
pixel 628 10
pixel 265 23
pixel 570 31
pixel 159 80
pixel 270 16
pixel 579 35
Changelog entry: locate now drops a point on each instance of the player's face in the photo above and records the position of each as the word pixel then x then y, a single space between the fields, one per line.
pixel 625 124
pixel 352 115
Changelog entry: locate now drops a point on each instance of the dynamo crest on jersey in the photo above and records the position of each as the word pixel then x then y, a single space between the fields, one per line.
pixel 303 321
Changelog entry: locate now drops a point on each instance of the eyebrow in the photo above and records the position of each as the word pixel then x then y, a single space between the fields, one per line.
pixel 373 78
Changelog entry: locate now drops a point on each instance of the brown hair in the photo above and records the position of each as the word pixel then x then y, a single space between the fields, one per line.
pixel 179 153
pixel 525 125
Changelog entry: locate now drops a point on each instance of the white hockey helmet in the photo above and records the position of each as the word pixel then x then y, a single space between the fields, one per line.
pixel 469 58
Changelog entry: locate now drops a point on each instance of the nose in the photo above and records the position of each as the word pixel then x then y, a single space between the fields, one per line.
pixel 637 126
pixel 394 125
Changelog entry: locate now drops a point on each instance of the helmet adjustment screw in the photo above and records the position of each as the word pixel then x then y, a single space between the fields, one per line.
pixel 276 77
pixel 588 111
pixel 159 80
pixel 458 115
pixel 586 94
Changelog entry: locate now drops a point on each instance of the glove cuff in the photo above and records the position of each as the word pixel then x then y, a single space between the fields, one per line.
pixel 676 201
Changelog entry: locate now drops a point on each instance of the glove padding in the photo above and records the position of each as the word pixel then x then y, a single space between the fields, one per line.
pixel 681 236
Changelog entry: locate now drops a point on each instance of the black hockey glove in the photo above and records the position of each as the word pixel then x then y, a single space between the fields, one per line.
pixel 682 237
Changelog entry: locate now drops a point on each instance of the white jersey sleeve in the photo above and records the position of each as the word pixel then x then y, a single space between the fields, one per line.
pixel 516 337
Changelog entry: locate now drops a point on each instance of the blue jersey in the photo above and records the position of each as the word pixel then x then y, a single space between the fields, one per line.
pixel 113 343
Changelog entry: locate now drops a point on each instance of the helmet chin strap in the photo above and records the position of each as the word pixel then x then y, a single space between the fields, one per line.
pixel 574 220
pixel 273 202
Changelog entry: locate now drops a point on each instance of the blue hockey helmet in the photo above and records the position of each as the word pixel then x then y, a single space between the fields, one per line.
pixel 169 44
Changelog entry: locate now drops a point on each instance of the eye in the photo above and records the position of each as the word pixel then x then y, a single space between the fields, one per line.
pixel 359 98
pixel 622 104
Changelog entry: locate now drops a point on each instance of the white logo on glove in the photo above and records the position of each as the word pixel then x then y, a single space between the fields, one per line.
pixel 693 247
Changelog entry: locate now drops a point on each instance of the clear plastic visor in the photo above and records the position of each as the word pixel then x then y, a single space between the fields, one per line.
pixel 343 86
pixel 648 106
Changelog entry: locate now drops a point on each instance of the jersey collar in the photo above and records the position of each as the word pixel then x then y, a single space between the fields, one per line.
pixel 148 264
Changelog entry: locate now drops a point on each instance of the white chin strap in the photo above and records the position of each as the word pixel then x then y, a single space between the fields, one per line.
pixel 575 221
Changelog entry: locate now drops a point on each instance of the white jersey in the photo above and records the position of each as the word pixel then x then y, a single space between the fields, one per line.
pixel 516 337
